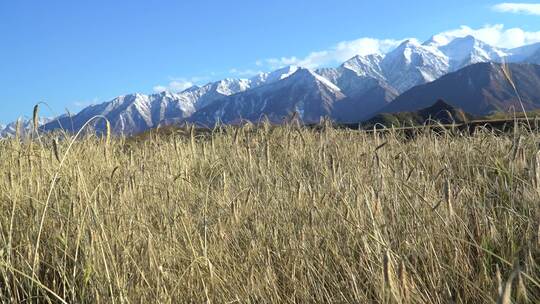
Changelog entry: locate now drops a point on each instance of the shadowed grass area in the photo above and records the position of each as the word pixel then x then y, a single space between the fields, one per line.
pixel 272 215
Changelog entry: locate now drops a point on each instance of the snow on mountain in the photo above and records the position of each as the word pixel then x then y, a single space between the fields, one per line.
pixel 202 96
pixel 25 125
pixel 468 50
pixel 129 114
pixel 304 92
pixel 412 63
pixel 354 83
pixel 361 85
pixel 347 98
pixel 369 66
pixel 135 113
pixel 355 70
pixel 266 78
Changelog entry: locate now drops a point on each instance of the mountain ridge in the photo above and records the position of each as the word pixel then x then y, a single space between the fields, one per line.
pixel 438 112
pixel 483 89
pixel 368 84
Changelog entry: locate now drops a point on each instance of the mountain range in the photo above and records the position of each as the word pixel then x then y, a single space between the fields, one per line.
pixel 465 72
pixel 24 124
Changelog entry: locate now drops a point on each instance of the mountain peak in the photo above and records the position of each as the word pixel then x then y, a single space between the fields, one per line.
pixel 440 105
pixel 365 65
pixel 167 94
pixel 363 59
pixel 132 96
pixel 467 41
pixel 283 73
pixel 443 112
pixel 435 40
pixel 304 74
pixel 409 43
pixel 359 80
pixel 289 68
pixel 229 86
pixel 279 74
pixel 301 73
pixel 443 40
pixel 468 50
pixel 191 89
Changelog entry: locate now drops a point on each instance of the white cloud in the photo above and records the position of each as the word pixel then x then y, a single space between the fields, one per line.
pixel 174 86
pixel 179 84
pixel 337 54
pixel 518 8
pixel 495 35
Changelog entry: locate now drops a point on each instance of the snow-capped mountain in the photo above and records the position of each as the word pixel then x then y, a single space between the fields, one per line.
pixel 129 114
pixel 368 66
pixel 412 63
pixel 465 51
pixel 359 87
pixel 135 113
pixel 203 96
pixel 349 97
pixel 266 78
pixel 25 125
pixel 362 78
pixel 361 67
pixel 370 93
pixel 305 92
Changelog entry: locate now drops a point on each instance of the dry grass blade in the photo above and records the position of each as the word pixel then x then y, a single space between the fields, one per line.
pixel 499 281
pixel 403 283
pixel 18 126
pixel 18 272
pixel 51 189
pixel 109 132
pixel 537 171
pixel 508 75
pixel 505 296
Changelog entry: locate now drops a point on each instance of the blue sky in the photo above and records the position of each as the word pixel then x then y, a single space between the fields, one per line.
pixel 74 53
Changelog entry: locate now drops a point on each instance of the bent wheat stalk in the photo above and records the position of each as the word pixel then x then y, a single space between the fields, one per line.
pixel 53 185
pixel 508 75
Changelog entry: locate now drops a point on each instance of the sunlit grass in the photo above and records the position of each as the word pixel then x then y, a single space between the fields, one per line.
pixel 271 215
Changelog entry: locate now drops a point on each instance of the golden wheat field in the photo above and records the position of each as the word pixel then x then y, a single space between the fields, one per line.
pixel 271 215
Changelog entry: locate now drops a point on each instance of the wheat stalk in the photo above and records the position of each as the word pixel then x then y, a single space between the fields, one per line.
pixel 508 75
pixel 537 171
pixel 506 294
pixel 55 149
